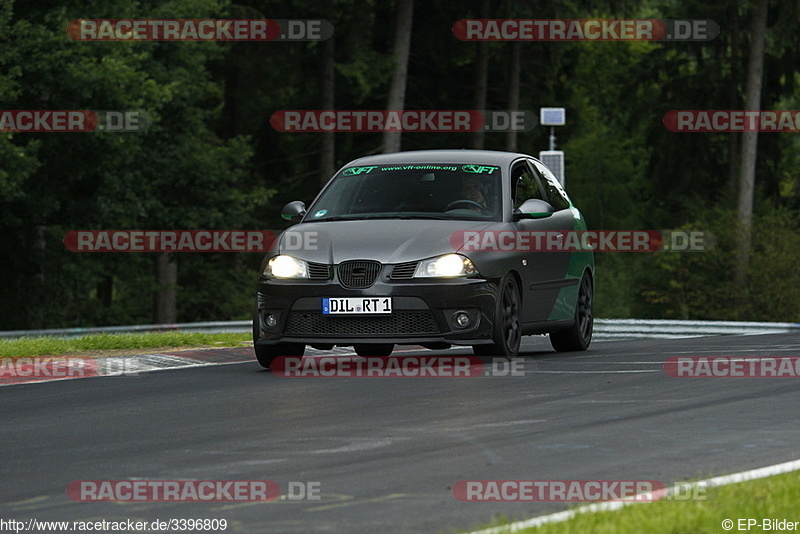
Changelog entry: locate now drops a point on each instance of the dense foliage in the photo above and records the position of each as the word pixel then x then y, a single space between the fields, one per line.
pixel 211 159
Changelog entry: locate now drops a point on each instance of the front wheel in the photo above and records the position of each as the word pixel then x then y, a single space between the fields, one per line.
pixel 266 354
pixel 579 335
pixel 507 333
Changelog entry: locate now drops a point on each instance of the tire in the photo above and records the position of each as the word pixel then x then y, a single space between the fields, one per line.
pixel 579 335
pixel 379 349
pixel 266 354
pixel 507 333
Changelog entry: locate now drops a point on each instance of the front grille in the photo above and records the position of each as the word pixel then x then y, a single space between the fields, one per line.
pixel 400 323
pixel 404 271
pixel 358 274
pixel 319 271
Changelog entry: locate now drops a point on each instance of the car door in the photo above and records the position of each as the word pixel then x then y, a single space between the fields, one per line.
pixel 570 262
pixel 544 273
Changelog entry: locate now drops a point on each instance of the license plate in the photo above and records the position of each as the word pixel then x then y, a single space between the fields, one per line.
pixel 356 305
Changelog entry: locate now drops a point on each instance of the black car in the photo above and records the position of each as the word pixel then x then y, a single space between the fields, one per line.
pixel 403 249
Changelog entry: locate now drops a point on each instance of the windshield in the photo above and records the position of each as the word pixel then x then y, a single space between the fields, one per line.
pixel 411 191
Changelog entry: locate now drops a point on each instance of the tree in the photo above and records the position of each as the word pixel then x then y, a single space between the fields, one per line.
pixel 755 74
pixel 513 92
pixel 400 51
pixel 481 87
pixel 176 175
pixel 327 156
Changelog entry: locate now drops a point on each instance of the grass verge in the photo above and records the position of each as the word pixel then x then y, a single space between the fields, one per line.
pixel 56 346
pixel 772 498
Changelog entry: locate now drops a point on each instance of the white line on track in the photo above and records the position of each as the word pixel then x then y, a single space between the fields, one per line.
pixel 724 480
pixel 539 372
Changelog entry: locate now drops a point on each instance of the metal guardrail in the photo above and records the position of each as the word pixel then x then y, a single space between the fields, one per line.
pixel 660 328
pixel 215 327
pixel 604 328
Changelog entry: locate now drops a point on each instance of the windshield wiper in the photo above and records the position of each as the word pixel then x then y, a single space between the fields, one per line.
pixel 436 217
pixel 340 218
pixel 386 216
pixel 397 217
pixel 367 217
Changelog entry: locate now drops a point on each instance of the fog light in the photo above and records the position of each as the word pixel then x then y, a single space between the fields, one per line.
pixel 270 320
pixel 461 319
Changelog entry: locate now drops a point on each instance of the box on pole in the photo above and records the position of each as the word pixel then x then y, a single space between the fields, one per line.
pixel 554 160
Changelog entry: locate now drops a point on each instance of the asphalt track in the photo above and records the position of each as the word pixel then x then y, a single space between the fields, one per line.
pixel 388 451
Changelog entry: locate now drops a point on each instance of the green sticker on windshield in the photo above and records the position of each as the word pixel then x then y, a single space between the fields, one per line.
pixel 420 168
pixel 352 171
pixel 479 169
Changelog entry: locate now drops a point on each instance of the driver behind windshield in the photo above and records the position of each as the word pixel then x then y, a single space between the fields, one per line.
pixel 474 189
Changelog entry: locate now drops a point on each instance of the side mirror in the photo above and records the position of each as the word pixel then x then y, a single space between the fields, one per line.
pixel 294 210
pixel 534 208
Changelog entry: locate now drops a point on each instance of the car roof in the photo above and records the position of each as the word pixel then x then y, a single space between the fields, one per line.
pixel 481 157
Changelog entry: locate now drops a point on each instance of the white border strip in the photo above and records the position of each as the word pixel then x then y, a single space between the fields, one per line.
pixel 174 361
pixel 120 374
pixel 735 478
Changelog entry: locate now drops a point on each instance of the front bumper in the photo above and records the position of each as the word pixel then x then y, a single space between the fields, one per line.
pixel 422 312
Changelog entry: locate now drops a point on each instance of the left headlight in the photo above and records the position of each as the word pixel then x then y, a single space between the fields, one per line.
pixel 449 265
pixel 286 267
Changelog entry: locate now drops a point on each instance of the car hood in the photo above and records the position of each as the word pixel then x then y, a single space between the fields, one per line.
pixel 384 240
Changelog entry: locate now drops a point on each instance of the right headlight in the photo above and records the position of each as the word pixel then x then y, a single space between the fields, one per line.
pixel 286 267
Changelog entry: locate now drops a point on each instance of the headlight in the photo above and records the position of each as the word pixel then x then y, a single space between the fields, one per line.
pixel 286 267
pixel 449 265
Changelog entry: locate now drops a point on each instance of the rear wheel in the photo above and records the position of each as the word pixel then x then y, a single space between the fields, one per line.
pixel 579 335
pixel 507 333
pixel 375 349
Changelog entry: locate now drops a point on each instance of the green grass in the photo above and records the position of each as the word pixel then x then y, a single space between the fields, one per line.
pixel 54 346
pixel 769 498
